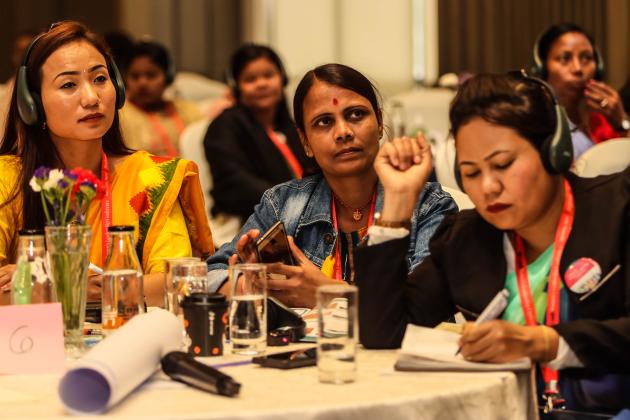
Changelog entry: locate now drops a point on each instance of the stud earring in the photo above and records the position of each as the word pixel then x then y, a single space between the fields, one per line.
pixel 44 126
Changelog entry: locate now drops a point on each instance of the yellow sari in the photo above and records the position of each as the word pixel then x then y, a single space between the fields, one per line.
pixel 160 197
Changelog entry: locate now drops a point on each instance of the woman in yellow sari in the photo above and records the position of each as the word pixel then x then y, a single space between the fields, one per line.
pixel 73 122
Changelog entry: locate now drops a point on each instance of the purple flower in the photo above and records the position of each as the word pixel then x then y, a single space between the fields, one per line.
pixel 63 184
pixel 70 175
pixel 41 172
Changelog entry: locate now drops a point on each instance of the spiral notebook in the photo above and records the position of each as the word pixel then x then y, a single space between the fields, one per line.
pixel 430 349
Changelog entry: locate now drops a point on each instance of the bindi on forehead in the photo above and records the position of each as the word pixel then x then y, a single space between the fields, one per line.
pixel 335 102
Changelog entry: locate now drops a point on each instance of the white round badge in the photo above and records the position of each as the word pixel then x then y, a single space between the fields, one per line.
pixel 583 275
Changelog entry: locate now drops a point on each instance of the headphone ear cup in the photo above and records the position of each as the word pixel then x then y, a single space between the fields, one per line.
pixel 557 149
pixel 170 71
pixel 26 103
pixel 457 174
pixel 119 84
pixel 599 64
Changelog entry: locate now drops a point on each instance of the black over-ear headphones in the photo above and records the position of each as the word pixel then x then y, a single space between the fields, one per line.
pixel 539 69
pixel 556 151
pixel 29 103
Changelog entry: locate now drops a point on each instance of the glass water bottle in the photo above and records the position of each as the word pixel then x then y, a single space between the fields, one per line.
pixel 123 292
pixel 31 282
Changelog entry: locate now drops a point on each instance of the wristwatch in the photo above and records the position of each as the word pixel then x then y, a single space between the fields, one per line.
pixel 393 224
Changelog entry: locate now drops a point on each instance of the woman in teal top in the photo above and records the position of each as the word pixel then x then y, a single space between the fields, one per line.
pixel 537 230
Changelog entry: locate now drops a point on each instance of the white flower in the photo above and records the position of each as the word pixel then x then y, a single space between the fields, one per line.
pixel 35 185
pixel 54 177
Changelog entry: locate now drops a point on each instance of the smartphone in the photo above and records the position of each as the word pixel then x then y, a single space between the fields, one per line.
pixel 289 359
pixel 273 246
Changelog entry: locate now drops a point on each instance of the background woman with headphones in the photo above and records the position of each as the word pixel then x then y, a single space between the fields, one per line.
pixel 254 145
pixel 567 58
pixel 151 122
pixel 63 114
pixel 559 244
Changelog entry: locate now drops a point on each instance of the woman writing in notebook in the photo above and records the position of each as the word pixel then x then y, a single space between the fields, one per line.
pixel 340 123
pixel 559 244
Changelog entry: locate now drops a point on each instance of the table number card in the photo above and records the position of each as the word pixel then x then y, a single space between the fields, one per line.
pixel 31 339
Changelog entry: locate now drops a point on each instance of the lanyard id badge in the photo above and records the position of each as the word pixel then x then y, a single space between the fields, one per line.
pixel 106 207
pixel 551 395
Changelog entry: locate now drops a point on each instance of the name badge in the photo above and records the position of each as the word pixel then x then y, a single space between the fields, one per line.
pixel 583 275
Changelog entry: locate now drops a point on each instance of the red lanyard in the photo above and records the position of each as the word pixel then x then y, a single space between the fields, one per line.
pixel 337 273
pixel 286 153
pixel 171 113
pixel 553 288
pixel 106 207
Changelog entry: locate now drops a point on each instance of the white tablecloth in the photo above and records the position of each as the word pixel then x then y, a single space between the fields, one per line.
pixel 378 393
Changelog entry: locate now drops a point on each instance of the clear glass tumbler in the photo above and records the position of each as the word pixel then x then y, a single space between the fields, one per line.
pixel 248 309
pixel 171 288
pixel 338 328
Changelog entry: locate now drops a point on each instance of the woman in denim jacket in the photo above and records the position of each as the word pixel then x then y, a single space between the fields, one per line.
pixel 326 215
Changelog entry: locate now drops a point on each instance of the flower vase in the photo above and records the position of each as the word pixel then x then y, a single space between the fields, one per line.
pixel 68 258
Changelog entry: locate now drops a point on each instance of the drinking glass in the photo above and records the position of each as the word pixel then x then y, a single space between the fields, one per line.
pixel 248 309
pixel 337 333
pixel 189 277
pixel 171 302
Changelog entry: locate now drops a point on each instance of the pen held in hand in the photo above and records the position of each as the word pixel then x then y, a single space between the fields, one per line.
pixel 493 310
pixel 95 268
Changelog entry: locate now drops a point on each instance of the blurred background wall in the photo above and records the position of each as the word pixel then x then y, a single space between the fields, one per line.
pixel 398 43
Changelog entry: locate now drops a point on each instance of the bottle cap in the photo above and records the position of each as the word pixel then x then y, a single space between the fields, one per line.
pixel 31 232
pixel 120 228
pixel 203 299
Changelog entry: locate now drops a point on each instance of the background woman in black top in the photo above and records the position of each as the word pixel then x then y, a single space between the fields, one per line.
pixel 253 145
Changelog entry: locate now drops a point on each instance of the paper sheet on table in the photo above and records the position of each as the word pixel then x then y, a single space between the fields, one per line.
pixel 429 349
pixel 120 363
pixel 339 309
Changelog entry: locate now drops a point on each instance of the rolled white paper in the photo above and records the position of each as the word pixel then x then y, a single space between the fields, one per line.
pixel 119 363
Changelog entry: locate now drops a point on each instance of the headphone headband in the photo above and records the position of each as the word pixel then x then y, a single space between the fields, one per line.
pixel 556 150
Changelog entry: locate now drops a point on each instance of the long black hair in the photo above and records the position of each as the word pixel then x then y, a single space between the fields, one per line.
pixel 32 144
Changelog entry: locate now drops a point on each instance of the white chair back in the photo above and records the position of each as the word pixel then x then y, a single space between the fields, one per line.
pixel 461 199
pixel 604 158
pixel 191 148
pixel 224 227
pixel 195 87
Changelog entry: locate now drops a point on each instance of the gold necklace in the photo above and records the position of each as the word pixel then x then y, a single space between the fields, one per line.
pixel 357 213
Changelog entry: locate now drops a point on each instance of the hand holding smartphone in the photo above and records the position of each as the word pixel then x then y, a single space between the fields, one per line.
pixel 273 246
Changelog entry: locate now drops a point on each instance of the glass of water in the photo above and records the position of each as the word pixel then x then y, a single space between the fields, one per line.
pixel 189 277
pixel 338 328
pixel 248 309
pixel 171 302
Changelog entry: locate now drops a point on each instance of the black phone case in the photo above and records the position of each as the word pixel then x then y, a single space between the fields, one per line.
pixel 271 362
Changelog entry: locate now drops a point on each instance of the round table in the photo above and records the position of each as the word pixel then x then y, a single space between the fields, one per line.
pixel 379 392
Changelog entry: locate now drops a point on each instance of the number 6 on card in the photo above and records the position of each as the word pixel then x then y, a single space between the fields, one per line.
pixel 31 339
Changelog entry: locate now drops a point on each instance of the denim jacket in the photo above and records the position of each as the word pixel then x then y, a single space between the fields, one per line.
pixel 304 207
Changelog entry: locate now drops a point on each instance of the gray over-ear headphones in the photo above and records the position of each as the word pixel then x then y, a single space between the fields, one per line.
pixel 29 103
pixel 556 151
